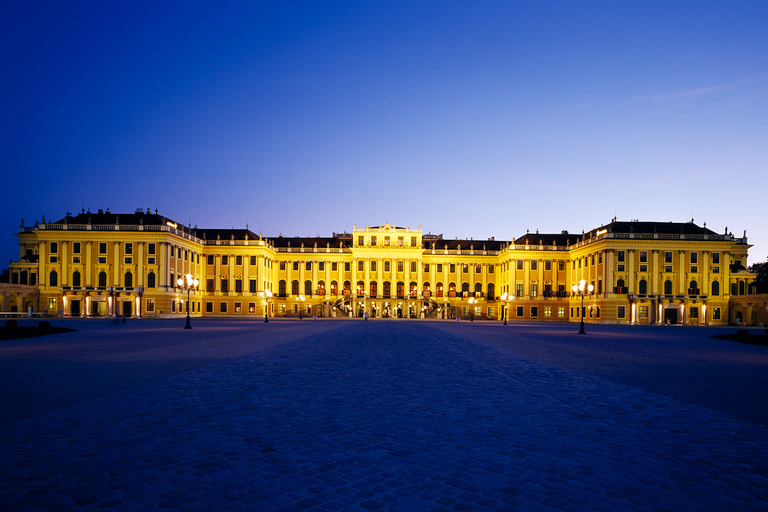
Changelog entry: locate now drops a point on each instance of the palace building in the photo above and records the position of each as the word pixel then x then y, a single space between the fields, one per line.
pixel 130 264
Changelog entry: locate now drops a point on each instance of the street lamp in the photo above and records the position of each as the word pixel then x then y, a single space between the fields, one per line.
pixel 300 299
pixel 472 301
pixel 191 283
pixel 505 298
pixel 266 295
pixel 580 289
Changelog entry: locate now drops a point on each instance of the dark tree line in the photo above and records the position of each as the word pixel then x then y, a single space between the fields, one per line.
pixel 761 276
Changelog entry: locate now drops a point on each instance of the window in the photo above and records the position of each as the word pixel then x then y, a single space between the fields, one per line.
pixel 452 268
pixel 413 241
pixel 224 285
pixel 621 267
pixel 439 289
pixel 534 265
pixel 621 255
pixel 178 255
pixel 282 265
pixel 225 260
pixel 346 266
pixel 667 287
pixel 53 278
pixel 210 259
pixel 238 307
pixel 373 241
pixel 321 287
pixel 534 311
pixel 252 286
pixel 281 288
pixel 128 280
pixel 253 260
pixel 426 267
pixel 643 312
pixel 210 285
pixel 54 259
pixel 561 312
pixel 150 305
pixel 490 268
pixel 520 311
pixel 694 312
pixel 534 290
pixel 560 265
pixel 294 287
pixel 547 311
pixel 321 266
pixel 101 259
pixel 668 268
pixel 642 287
pixel 251 307
pixel 151 280
pixel 400 241
pixel 439 267
pixel 128 248
pixel 238 285
pixel 209 307
pixel 386 266
pixel 373 265
pixel 334 267
pixel 519 264
pixel 643 268
pixel 715 313
pixel 547 265
pixel 222 307
pixel 361 240
pixel 296 266
pixel 716 258
pixel 150 248
pixel 715 288
pixel 373 289
pixel 76 248
pixel 387 289
pixel 413 266
pixel 386 241
pixel 643 256
pixel 621 311
pixel 519 289
pixel 308 266
pixel 694 259
pixel 150 261
pixel 102 279
pixel 360 265
pixel 694 268
pixel 668 257
pixel 400 289
pixel 715 270
pixel 102 248
pixel 76 279
pixel 54 247
pixel 593 260
pixel 399 266
pixel 308 288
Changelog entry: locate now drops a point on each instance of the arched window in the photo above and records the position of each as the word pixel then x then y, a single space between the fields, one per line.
pixel 151 280
pixel 642 287
pixel 76 279
pixel 741 288
pixel 308 288
pixel 128 280
pixel 347 288
pixel 452 289
pixel 387 289
pixel 425 290
pixel 491 291
pixel 464 288
pixel 281 288
pixel 360 288
pixel 24 277
pixel 53 278
pixel 620 286
pixel 693 289
pixel 667 287
pixel 439 289
pixel 321 287
pixel 413 289
pixel 374 290
pixel 294 287
pixel 102 279
pixel 715 288
pixel 334 288
pixel 400 289
pixel 478 289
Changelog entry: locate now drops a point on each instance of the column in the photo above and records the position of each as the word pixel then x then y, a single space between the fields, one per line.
pixel 631 274
pixel 64 265
pixel 681 279
pixel 217 273
pixel 116 274
pixel 140 271
pixel 655 273
pixel 88 266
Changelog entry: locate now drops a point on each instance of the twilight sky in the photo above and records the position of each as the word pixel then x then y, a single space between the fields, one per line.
pixel 471 119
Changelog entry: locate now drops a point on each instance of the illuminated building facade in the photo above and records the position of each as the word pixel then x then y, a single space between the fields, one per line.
pixel 104 264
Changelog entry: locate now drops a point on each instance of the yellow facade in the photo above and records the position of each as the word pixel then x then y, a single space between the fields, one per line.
pixel 103 264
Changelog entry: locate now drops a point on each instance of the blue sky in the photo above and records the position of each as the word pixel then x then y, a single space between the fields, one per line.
pixel 471 119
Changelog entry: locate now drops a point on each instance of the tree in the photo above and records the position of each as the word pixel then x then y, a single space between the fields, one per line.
pixel 5 276
pixel 761 276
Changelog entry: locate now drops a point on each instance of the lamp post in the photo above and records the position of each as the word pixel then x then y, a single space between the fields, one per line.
pixel 472 301
pixel 300 299
pixel 505 298
pixel 191 283
pixel 266 295
pixel 580 289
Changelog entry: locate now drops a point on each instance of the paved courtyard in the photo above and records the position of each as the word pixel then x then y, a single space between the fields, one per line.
pixel 382 415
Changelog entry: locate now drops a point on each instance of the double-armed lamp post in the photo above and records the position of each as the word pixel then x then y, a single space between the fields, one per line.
pixel 300 299
pixel 505 298
pixel 582 289
pixel 191 283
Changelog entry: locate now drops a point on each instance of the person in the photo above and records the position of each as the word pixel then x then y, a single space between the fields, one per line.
pixel 366 316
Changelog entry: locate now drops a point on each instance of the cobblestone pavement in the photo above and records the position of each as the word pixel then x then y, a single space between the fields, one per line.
pixel 383 416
